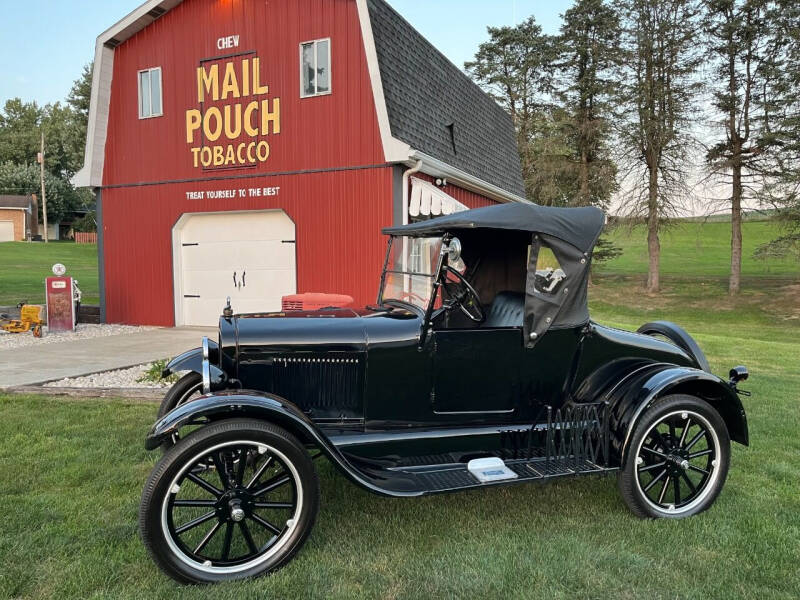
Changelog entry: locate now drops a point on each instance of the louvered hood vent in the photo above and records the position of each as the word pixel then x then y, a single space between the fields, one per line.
pixel 329 385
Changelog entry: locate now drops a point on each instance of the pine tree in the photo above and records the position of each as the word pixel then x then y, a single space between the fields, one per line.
pixel 740 38
pixel 590 55
pixel 658 91
pixel 781 129
pixel 516 67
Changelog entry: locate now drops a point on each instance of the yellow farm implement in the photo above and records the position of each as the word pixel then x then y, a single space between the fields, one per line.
pixel 30 319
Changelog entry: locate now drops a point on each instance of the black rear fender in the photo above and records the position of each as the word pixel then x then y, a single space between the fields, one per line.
pixel 680 337
pixel 635 393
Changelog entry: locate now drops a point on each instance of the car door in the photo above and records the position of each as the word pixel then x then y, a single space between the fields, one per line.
pixel 476 370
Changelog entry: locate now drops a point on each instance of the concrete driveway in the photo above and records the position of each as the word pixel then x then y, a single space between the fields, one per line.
pixel 31 365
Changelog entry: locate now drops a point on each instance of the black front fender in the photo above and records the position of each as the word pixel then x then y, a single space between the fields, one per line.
pixel 192 360
pixel 267 407
pixel 636 392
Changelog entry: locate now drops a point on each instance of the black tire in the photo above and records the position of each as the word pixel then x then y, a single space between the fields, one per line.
pixel 173 488
pixel 183 389
pixel 677 459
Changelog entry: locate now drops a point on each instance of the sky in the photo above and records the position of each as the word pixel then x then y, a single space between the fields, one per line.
pixel 45 43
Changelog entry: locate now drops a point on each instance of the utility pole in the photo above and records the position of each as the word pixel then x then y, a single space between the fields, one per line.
pixel 44 198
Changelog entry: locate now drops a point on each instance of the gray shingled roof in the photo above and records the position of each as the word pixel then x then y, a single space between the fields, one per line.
pixel 427 96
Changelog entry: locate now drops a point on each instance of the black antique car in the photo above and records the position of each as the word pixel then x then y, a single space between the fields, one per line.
pixel 477 366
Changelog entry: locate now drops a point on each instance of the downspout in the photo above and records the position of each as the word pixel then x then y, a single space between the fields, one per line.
pixel 406 176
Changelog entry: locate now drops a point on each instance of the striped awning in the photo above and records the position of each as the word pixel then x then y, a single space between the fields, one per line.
pixel 427 200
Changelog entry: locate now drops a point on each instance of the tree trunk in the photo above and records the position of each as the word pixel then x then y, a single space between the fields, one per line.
pixel 584 193
pixel 736 231
pixel 653 244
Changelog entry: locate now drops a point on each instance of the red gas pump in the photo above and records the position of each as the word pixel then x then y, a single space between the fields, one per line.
pixel 60 294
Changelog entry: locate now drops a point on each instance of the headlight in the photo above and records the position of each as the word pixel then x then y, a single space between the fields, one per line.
pixel 206 368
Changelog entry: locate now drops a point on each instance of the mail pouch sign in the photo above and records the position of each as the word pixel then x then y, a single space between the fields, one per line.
pixel 236 116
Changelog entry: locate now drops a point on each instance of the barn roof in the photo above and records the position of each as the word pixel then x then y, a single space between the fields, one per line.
pixel 436 109
pixel 428 109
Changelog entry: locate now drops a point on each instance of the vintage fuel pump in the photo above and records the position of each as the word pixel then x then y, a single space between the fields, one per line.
pixel 63 300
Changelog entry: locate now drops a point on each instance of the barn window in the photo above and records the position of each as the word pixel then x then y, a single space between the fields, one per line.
pixel 150 102
pixel 315 68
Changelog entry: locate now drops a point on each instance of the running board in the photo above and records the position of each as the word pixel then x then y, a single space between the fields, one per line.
pixel 447 478
pixel 573 440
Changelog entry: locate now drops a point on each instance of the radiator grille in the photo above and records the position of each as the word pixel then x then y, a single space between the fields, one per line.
pixel 324 383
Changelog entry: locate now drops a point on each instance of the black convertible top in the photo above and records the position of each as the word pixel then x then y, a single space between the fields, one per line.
pixel 579 227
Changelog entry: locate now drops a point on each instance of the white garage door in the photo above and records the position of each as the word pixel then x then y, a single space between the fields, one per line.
pixel 6 231
pixel 248 256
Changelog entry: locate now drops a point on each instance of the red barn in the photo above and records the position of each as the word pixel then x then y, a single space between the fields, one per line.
pixel 254 149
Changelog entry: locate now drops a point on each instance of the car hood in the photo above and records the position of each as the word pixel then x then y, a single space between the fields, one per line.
pixel 326 330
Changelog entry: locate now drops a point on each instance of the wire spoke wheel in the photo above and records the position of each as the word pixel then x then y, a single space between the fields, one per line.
pixel 230 506
pixel 232 500
pixel 676 461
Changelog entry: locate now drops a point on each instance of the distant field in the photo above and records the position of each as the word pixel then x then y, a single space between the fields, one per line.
pixel 696 249
pixel 24 266
pixel 689 249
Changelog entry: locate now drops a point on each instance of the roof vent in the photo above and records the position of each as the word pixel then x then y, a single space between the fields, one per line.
pixel 451 128
pixel 156 12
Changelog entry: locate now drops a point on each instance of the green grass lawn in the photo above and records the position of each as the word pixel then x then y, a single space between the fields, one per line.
pixel 697 249
pixel 24 266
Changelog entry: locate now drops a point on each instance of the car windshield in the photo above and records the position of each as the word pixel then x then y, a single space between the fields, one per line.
pixel 411 270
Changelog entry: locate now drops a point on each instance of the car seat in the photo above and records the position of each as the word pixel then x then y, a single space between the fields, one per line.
pixel 507 310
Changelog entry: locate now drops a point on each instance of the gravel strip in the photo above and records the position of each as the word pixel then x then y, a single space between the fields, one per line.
pixel 121 378
pixel 84 331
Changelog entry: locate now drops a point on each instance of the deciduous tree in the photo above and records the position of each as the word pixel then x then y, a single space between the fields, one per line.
pixel 62 198
pixel 64 127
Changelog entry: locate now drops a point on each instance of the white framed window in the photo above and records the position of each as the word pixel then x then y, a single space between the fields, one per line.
pixel 150 99
pixel 315 68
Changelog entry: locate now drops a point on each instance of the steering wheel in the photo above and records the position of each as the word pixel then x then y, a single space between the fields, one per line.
pixel 460 293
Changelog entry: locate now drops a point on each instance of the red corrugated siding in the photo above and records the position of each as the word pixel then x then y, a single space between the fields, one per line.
pixel 338 216
pixel 328 131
